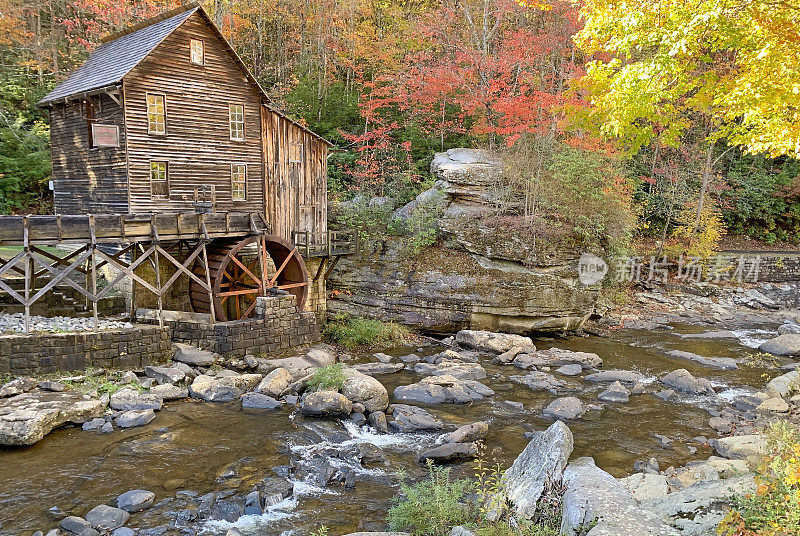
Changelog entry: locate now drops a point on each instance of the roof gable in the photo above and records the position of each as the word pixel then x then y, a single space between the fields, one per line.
pixel 112 60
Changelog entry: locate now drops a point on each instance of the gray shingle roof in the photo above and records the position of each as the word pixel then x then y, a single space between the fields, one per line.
pixel 113 60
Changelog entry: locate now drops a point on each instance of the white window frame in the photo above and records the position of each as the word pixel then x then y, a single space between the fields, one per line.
pixel 235 172
pixel 150 130
pixel 192 42
pixel 238 122
pixel 153 195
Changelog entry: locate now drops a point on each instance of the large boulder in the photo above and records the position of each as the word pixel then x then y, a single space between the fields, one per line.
pixel 133 418
pixel 136 500
pixel 457 369
pixel 275 383
pixel 740 447
pixel 407 418
pixel 565 408
pixel 28 417
pixel 192 355
pixel 132 400
pixel 593 498
pixel 616 392
pixel 556 357
pixel 359 387
pixel 224 389
pixel 442 390
pixel 786 344
pixel 540 381
pixel 449 452
pixel 165 375
pixel 682 380
pixel 541 464
pixel 317 356
pixel 469 433
pixel 326 404
pixel 104 517
pixel 487 341
pixel 785 384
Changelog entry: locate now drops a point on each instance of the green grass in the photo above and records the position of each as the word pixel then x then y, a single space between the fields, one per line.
pixel 355 332
pixel 100 383
pixel 327 378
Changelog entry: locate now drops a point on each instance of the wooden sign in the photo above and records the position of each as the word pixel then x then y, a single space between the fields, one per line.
pixel 105 135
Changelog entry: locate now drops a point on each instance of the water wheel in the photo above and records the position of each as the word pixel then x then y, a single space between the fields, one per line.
pixel 238 275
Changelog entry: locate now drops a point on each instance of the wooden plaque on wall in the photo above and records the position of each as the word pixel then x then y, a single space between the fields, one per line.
pixel 105 135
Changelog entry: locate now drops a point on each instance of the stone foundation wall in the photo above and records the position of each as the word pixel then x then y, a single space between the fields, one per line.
pixel 42 353
pixel 778 268
pixel 277 326
pixel 317 290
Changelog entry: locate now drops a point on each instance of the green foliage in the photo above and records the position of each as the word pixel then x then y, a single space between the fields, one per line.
pixel 321 531
pixel 433 506
pixel 327 378
pixel 370 222
pixel 774 509
pixel 420 229
pixel 100 382
pixel 355 332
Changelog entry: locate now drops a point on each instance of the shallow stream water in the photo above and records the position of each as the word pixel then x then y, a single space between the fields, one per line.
pixel 204 447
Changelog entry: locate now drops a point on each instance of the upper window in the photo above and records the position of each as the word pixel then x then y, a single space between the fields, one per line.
pixel 296 152
pixel 236 116
pixel 196 51
pixel 238 182
pixel 159 181
pixel 156 114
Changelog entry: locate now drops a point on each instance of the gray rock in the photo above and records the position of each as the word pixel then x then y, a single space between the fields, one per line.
pixel 786 344
pixel 570 370
pixel 683 503
pixel 556 357
pixel 785 384
pixel 773 405
pixel 682 380
pixel 372 369
pixel 383 358
pixel 568 407
pixel 136 500
pixel 722 363
pixel 131 399
pixel 442 390
pixel 107 428
pixel 56 387
pixel 593 498
pixel 275 383
pixel 359 387
pixel 17 387
pixel 459 370
pixel 413 419
pixel 720 334
pixel 449 452
pixel 259 401
pixel 94 424
pixel 721 425
pixel 222 389
pixel 469 433
pixel 78 526
pixel 233 531
pixel 377 419
pixel 132 418
pixel 460 531
pixel 168 391
pixel 317 356
pixel 28 417
pixel 326 404
pixel 611 376
pixel 616 392
pixel 165 374
pixel 498 343
pixel 540 381
pixel 508 356
pixel 789 329
pixel 740 447
pixel 123 531
pixel 129 377
pixel 539 465
pixel 192 355
pixel 410 358
pixel 104 517
pixel 644 486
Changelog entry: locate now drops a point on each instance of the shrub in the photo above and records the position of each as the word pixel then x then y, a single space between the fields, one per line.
pixel 327 378
pixel 774 509
pixel 420 229
pixel 355 332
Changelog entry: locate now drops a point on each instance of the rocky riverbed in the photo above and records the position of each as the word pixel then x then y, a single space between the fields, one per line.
pixel 666 410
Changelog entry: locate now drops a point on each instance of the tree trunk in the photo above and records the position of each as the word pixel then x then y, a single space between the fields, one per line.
pixel 707 172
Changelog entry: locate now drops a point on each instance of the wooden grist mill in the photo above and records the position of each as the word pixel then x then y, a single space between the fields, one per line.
pixel 173 170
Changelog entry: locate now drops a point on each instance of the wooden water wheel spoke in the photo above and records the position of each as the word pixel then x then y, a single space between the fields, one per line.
pixel 239 273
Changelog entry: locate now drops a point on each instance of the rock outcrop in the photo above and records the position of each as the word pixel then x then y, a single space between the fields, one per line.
pixel 28 417
pixel 442 390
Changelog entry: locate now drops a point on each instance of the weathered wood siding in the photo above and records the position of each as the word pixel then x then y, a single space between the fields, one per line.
pixel 197 144
pixel 296 191
pixel 87 179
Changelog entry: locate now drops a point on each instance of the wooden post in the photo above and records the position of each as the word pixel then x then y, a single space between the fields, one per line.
pixel 205 240
pixel 26 248
pixel 157 268
pixel 133 288
pixel 330 244
pixel 94 273
pixel 262 260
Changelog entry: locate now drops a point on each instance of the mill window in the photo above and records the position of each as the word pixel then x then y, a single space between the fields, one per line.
pixel 238 182
pixel 236 117
pixel 159 180
pixel 156 114
pixel 196 51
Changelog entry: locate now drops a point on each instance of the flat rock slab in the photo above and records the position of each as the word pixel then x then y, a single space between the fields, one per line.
pixel 468 433
pixel 540 381
pixel 222 389
pixel 449 452
pixel 611 376
pixel 556 357
pixel 169 392
pixel 594 498
pixel 133 418
pixel 28 417
pixel 785 384
pixel 301 366
pixel 457 369
pixel 165 374
pixel 192 355
pixel 787 344
pixel 721 363
pixel 259 401
pixel 131 399
pixel 373 369
pixel 104 517
pixel 136 500
pixel 740 447
pixel 442 390
pixel 702 495
pixel 645 486
pixel 568 407
pixel 488 341
pixel 682 380
pixel 408 418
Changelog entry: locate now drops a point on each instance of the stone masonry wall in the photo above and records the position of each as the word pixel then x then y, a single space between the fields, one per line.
pixel 317 290
pixel 277 326
pixel 41 353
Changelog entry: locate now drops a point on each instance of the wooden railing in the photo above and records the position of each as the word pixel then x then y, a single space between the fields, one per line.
pixel 325 243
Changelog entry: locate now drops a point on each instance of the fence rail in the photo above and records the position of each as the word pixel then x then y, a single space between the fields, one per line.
pixel 325 243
